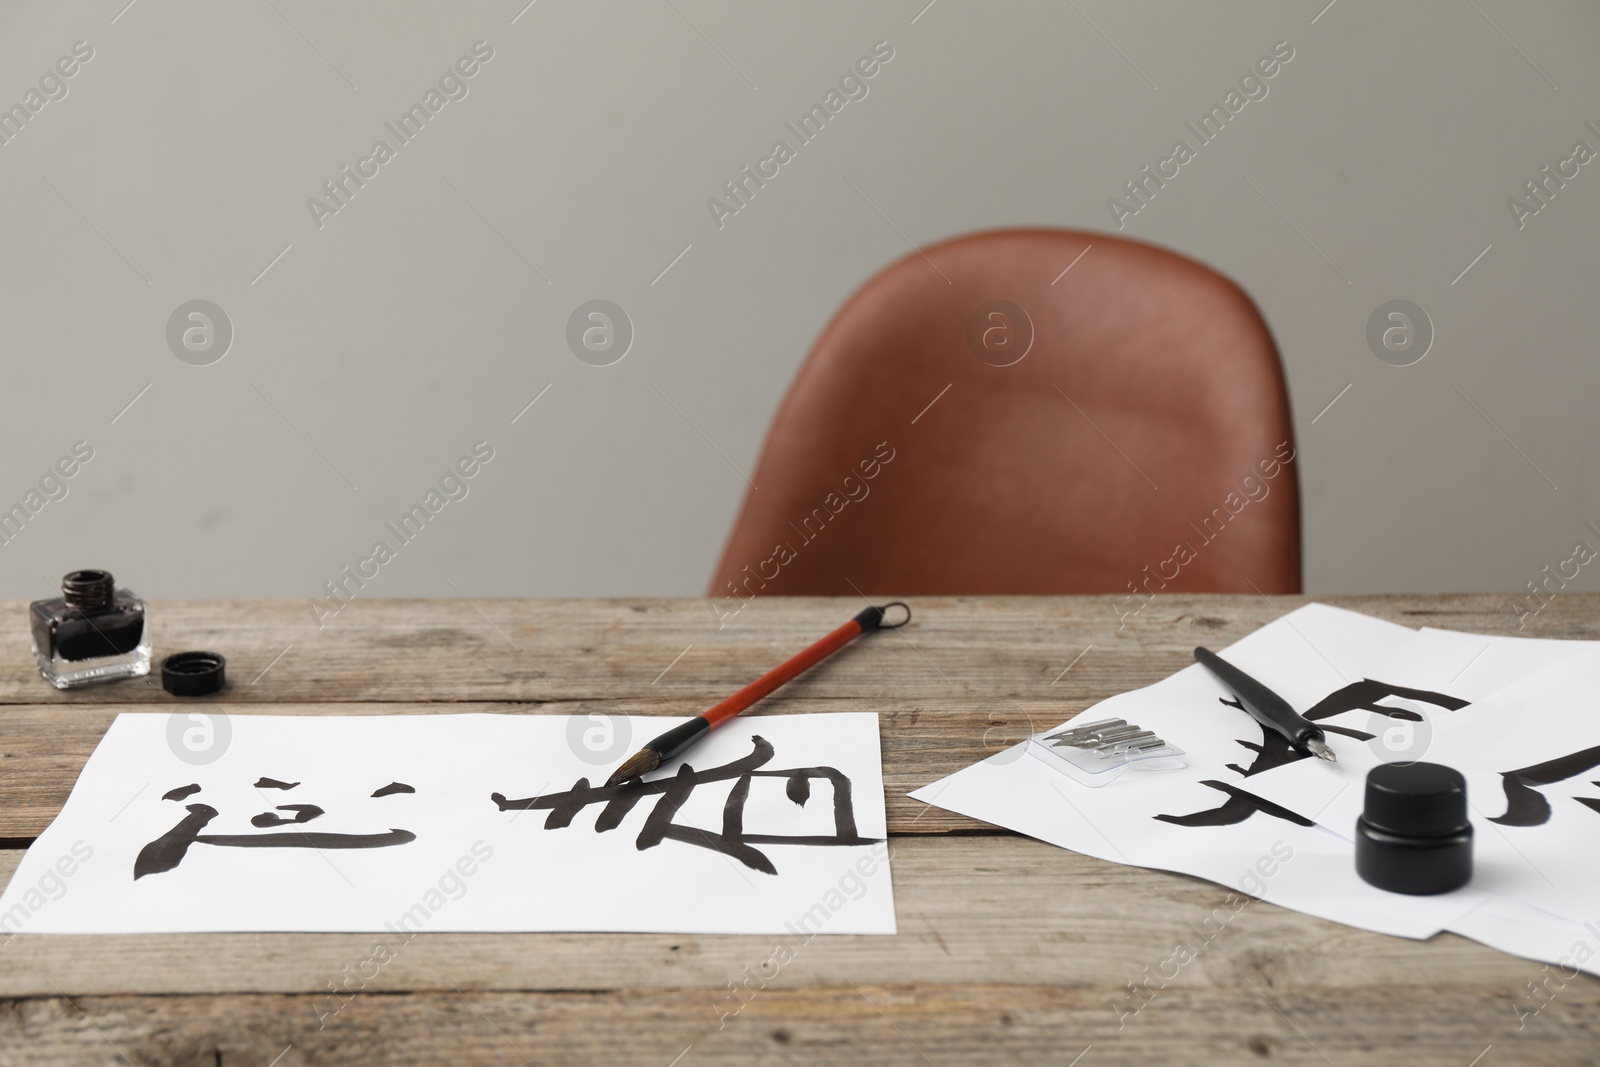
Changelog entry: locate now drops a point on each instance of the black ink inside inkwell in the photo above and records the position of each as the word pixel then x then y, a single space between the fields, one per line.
pixel 92 632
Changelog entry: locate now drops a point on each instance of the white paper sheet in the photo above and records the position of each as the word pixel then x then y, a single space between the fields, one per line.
pixel 1535 935
pixel 1467 667
pixel 445 856
pixel 1306 656
pixel 1534 843
pixel 1480 664
pixel 1432 694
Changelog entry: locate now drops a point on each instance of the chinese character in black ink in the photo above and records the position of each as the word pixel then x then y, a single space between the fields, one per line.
pixel 168 850
pixel 1526 806
pixel 674 791
pixel 1275 750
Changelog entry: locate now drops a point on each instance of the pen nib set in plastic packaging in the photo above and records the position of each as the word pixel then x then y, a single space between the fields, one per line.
pixel 1097 753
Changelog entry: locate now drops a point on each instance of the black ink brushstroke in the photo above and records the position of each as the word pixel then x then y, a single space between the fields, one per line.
pixel 182 792
pixel 798 790
pixel 302 839
pixel 273 783
pixel 564 807
pixel 1526 806
pixel 673 791
pixel 168 850
pixel 393 787
pixel 1273 751
pixel 1561 768
pixel 1239 806
pixel 1276 751
pixel 658 826
pixel 1592 803
pixel 1365 694
pixel 302 813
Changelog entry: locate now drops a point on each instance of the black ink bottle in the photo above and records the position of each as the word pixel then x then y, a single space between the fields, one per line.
pixel 92 632
pixel 1414 835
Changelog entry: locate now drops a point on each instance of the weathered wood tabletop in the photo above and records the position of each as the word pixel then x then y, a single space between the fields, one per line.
pixel 1009 950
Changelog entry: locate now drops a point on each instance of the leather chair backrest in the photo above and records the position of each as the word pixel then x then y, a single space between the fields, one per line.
pixel 1137 439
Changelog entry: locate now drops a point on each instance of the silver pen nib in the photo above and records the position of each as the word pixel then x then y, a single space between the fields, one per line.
pixel 1320 749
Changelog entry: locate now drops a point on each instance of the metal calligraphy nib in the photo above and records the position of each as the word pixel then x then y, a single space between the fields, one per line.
pixel 639 764
pixel 1319 748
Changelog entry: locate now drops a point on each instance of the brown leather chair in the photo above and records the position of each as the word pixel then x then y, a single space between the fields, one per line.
pixel 1126 431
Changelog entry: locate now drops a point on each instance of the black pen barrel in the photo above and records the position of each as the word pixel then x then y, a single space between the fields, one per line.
pixel 1263 705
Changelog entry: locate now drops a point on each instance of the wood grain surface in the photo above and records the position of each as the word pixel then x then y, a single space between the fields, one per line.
pixel 1009 951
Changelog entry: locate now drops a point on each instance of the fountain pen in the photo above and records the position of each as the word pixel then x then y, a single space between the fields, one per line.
pixel 1268 708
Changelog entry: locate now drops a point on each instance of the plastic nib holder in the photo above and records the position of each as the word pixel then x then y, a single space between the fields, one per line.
pixel 1096 754
pixel 1414 836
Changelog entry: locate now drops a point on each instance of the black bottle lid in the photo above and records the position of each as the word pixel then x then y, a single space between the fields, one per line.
pixel 193 674
pixel 1416 800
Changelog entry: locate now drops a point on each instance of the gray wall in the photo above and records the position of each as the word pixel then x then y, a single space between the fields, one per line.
pixel 427 312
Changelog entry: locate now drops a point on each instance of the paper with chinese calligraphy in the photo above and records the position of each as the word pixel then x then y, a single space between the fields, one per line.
pixel 415 823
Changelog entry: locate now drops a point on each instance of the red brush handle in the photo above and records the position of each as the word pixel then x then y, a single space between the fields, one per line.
pixel 720 713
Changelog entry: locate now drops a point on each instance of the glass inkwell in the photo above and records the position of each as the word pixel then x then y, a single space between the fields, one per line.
pixel 92 632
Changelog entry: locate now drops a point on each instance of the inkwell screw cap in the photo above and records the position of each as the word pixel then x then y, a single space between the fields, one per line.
pixel 193 674
pixel 1414 835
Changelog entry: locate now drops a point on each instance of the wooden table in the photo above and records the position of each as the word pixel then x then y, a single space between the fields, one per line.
pixel 1009 951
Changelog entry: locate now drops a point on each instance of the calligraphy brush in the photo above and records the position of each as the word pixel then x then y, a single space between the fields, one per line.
pixel 680 737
